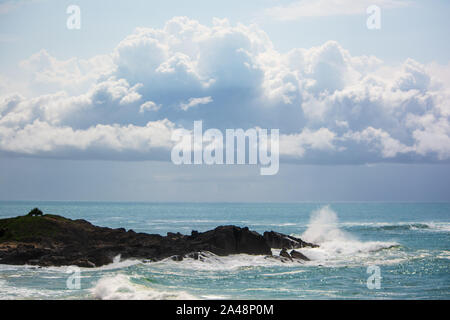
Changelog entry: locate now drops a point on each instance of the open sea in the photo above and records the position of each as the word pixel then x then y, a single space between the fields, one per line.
pixel 367 251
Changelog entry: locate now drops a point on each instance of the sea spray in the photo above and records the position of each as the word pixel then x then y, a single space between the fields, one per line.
pixel 335 243
pixel 323 227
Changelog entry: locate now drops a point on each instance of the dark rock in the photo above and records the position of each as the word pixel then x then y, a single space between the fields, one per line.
pixel 285 254
pixel 278 240
pixel 2 232
pixel 299 255
pixel 226 240
pixel 84 263
pixel 177 258
pixel 174 235
pixel 193 255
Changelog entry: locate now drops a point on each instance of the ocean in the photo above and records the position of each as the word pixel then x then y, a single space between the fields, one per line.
pixel 367 251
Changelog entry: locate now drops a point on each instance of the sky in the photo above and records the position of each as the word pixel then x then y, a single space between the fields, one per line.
pixel 88 114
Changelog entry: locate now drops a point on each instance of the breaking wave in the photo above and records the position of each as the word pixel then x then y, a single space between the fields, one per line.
pixel 324 230
pixel 122 287
pixel 401 226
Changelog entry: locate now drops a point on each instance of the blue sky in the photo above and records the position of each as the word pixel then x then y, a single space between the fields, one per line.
pixel 363 114
pixel 417 31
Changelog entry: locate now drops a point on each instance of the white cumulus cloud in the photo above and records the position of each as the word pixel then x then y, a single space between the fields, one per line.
pixel 330 106
pixel 193 102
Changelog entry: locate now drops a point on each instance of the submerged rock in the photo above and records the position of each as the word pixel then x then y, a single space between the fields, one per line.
pixel 285 254
pixel 298 255
pixel 279 240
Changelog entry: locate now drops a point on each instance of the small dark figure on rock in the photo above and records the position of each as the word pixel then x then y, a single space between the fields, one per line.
pixel 35 213
pixel 194 234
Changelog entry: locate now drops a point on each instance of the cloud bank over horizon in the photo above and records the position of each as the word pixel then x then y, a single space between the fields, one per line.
pixel 331 107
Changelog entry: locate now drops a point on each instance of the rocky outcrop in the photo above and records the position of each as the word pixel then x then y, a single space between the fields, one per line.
pixel 51 240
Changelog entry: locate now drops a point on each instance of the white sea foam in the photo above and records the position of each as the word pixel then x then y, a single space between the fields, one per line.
pixel 121 287
pixel 117 263
pixel 438 226
pixel 211 262
pixel 445 254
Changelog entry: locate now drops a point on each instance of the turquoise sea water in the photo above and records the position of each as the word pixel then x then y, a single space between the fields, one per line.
pixel 409 242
